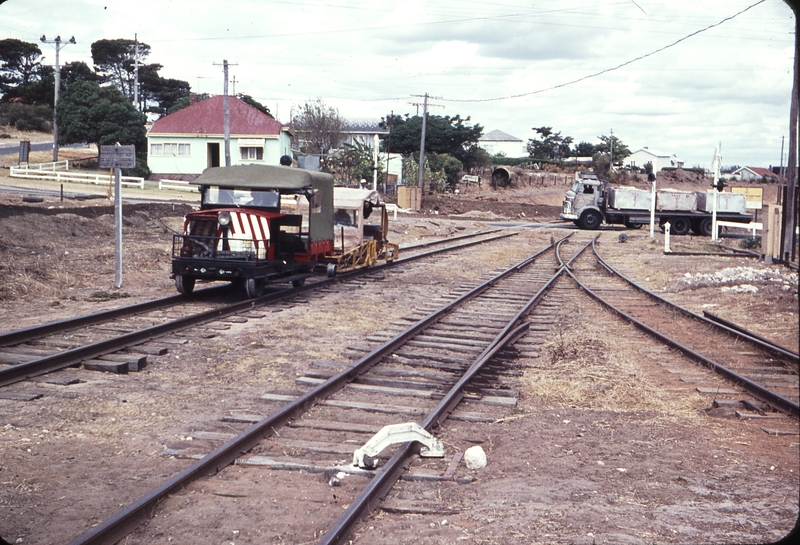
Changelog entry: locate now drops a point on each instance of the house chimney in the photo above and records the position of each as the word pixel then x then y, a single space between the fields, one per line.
pixel 192 98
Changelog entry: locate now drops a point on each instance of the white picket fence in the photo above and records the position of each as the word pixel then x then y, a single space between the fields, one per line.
pixel 53 172
pixel 178 185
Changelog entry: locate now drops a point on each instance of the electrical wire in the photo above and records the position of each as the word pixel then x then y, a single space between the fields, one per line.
pixel 607 70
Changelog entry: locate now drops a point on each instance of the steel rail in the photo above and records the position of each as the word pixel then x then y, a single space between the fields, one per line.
pixel 126 520
pixel 26 334
pixel 34 332
pixel 449 239
pixel 784 262
pixel 753 388
pixel 558 254
pixel 388 474
pixel 737 327
pixel 67 358
pixel 766 345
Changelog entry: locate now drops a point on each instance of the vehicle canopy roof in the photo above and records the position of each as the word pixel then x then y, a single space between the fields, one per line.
pixel 349 198
pixel 285 179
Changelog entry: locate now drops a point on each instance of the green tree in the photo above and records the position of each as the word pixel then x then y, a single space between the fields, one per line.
pixel 583 149
pixel 115 62
pixel 549 146
pixel 445 167
pixel 19 64
pixel 443 134
pixel 247 99
pixel 99 115
pixel 184 101
pixel 621 151
pixel 318 127
pixel 352 164
pixel 77 71
pixel 159 95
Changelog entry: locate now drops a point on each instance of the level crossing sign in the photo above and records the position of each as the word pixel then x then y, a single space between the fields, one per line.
pixel 117 157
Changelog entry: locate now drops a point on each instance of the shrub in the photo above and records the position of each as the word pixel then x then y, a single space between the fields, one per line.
pixel 26 117
pixel 33 124
pixel 751 243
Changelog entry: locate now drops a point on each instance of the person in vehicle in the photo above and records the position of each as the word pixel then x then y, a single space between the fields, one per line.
pixel 342 217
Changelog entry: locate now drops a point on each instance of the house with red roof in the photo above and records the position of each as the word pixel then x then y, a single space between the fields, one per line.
pixel 756 174
pixel 183 144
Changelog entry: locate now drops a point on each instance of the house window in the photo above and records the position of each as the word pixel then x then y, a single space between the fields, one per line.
pixel 171 148
pixel 252 154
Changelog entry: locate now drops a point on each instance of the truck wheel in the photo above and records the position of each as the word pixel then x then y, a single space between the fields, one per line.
pixel 680 226
pixel 706 227
pixel 630 225
pixel 591 219
pixel 184 284
pixel 254 287
pixel 299 283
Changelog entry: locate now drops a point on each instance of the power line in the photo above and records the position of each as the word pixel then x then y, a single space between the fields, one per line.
pixel 676 42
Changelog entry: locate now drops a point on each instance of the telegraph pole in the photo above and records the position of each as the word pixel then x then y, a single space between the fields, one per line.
pixel 136 74
pixel 422 138
pixel 59 47
pixel 611 157
pixel 226 112
pixel 422 142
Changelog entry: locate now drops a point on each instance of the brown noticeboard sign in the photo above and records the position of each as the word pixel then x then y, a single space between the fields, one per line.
pixel 117 156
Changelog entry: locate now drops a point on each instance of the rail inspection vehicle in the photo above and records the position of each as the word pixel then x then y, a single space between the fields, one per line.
pixel 590 201
pixel 259 224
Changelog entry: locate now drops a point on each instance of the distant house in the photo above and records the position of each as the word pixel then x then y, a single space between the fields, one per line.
pixel 183 144
pixel 497 142
pixel 755 174
pixel 659 160
pixel 363 131
pixel 354 132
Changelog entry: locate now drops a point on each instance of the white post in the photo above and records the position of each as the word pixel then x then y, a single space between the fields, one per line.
pixel 653 212
pixel 118 227
pixel 666 238
pixel 714 215
pixel 716 164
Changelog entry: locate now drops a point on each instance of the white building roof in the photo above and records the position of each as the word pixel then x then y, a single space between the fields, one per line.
pixel 654 153
pixel 498 136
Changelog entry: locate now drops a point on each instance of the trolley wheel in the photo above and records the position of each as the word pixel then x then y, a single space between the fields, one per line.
pixel 331 271
pixel 184 284
pixel 591 219
pixel 254 287
pixel 680 226
pixel 299 283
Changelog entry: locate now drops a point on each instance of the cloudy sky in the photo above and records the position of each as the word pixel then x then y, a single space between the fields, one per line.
pixel 678 77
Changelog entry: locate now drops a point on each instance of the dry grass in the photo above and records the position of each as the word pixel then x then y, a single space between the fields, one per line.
pixel 583 367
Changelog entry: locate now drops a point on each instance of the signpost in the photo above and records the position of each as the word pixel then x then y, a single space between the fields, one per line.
pixel 24 151
pixel 117 157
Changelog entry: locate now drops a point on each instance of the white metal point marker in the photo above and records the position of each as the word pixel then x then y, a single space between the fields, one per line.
pixel 666 238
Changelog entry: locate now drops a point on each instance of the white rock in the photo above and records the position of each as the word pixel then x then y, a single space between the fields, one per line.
pixel 475 457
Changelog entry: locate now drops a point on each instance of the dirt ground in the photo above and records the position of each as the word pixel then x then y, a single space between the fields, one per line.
pixel 629 460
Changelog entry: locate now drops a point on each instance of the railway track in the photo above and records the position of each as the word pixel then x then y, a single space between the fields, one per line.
pixel 764 370
pixel 119 340
pixel 394 388
pixel 423 372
